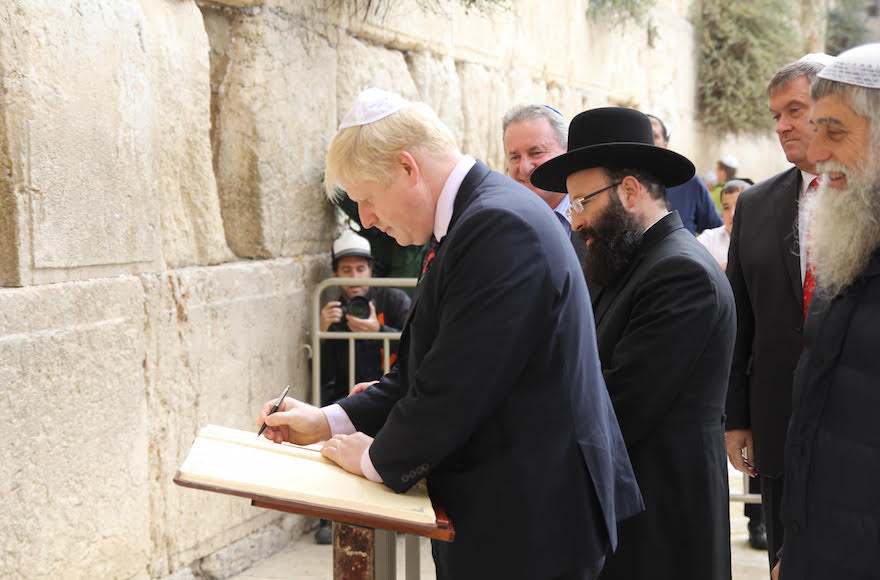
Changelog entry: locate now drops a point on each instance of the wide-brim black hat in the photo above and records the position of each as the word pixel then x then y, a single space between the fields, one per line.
pixel 617 138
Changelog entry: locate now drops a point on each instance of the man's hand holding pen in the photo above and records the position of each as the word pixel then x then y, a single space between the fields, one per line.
pixel 295 422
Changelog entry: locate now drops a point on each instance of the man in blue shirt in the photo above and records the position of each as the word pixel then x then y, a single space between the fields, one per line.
pixel 691 199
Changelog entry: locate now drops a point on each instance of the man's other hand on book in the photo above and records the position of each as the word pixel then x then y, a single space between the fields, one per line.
pixel 347 451
pixel 294 421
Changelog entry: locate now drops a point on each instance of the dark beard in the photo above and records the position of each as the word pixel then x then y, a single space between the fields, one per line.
pixel 616 238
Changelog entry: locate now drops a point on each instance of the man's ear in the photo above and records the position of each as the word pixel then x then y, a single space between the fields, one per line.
pixel 629 190
pixel 408 164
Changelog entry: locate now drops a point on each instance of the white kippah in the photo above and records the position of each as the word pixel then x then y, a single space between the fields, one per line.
pixel 730 161
pixel 818 58
pixel 371 105
pixel 859 66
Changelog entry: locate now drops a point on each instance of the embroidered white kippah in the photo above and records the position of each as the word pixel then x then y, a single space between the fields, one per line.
pixel 371 105
pixel 818 58
pixel 858 66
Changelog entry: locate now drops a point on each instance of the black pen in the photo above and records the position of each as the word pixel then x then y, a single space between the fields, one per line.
pixel 275 408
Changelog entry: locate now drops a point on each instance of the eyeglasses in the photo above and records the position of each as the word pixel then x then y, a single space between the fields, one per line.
pixel 577 204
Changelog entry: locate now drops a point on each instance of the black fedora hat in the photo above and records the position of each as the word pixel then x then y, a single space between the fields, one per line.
pixel 613 137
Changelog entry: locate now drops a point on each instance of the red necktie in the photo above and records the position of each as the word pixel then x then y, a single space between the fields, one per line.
pixel 430 251
pixel 810 274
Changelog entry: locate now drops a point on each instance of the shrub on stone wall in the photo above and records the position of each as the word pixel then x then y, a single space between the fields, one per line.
pixel 846 26
pixel 741 45
pixel 618 12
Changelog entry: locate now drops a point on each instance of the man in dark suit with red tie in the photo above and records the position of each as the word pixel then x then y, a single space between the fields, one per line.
pixel 768 273
pixel 497 397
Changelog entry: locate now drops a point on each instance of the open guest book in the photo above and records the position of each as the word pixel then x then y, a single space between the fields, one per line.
pixel 299 479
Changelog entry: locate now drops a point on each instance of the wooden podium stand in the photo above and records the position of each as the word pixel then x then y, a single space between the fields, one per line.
pixel 364 546
pixel 291 479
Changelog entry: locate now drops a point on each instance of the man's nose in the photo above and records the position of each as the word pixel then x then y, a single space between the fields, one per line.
pixel 782 125
pixel 368 219
pixel 817 151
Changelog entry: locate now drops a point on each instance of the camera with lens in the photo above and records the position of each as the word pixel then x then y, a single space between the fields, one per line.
pixel 358 306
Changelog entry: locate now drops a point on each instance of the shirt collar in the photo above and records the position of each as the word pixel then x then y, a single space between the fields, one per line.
pixel 806 179
pixel 446 201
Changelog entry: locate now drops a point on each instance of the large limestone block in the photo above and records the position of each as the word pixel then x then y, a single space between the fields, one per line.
pixel 437 83
pixel 484 101
pixel 74 499
pixel 74 96
pixel 363 64
pixel 183 182
pixel 221 342
pixel 274 85
pixel 106 140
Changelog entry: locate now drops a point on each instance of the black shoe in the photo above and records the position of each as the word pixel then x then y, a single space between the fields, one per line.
pixel 324 533
pixel 757 536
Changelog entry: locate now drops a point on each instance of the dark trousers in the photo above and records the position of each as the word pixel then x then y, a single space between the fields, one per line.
pixel 754 511
pixel 771 499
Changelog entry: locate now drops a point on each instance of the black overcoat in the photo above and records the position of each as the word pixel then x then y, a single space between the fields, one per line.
pixel 831 505
pixel 665 333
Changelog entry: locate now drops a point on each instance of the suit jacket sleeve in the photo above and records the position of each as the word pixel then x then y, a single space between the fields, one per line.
pixel 706 215
pixel 676 310
pixel 737 407
pixel 488 307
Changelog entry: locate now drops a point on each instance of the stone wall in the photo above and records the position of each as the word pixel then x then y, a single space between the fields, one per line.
pixel 162 227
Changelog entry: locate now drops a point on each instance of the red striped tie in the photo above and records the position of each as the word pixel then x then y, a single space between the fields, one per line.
pixel 810 274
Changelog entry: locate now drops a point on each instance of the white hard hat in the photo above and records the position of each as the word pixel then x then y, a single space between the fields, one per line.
pixel 350 244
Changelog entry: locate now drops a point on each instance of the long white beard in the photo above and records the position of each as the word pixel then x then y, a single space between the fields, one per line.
pixel 845 225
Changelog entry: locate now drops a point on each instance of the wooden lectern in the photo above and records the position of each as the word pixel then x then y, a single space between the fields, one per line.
pixel 299 480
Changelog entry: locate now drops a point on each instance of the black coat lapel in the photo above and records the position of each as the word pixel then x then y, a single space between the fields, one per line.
pixel 785 208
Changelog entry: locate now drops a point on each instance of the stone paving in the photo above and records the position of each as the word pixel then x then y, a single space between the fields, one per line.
pixel 302 559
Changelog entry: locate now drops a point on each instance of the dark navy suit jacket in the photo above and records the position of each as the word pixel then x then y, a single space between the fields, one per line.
pixel 765 273
pixel 498 396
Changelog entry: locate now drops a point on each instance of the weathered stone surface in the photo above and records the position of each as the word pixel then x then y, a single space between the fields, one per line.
pixel 484 101
pixel 274 78
pixel 106 111
pixel 183 173
pixel 220 342
pixel 76 109
pixel 244 553
pixel 74 499
pixel 364 64
pixel 437 83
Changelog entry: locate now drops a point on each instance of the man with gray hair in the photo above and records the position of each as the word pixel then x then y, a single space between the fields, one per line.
pixel 534 134
pixel 831 503
pixel 767 272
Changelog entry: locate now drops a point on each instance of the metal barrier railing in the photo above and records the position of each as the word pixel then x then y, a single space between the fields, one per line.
pixel 746 497
pixel 318 334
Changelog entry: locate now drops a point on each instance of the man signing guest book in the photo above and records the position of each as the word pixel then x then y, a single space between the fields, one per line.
pixel 497 397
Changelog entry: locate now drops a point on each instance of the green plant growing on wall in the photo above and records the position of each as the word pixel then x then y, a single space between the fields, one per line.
pixel 741 45
pixel 846 26
pixel 618 12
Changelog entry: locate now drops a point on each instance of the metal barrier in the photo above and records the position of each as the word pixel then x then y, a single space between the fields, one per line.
pixel 386 560
pixel 318 334
pixel 746 497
